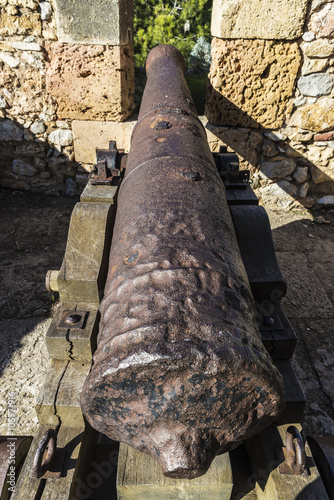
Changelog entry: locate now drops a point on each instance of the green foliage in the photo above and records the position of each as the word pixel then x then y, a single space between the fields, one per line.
pixel 176 22
pixel 200 57
pixel 197 86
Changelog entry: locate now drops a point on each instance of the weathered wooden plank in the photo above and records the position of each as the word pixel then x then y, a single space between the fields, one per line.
pixel 68 396
pixel 139 476
pixel 59 400
pixel 82 274
pixel 295 398
pixel 244 486
pixel 241 196
pixel 264 451
pixel 26 486
pixel 253 233
pixel 284 341
pixel 280 344
pixel 77 344
pixel 98 194
pixel 78 445
pixel 46 399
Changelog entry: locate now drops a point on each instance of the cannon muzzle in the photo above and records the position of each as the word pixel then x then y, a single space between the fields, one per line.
pixel 180 371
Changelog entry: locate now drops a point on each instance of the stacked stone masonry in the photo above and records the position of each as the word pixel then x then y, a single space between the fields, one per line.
pixel 67 76
pixel 271 95
pixel 56 68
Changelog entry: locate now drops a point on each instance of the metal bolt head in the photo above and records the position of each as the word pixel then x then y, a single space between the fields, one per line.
pixel 73 319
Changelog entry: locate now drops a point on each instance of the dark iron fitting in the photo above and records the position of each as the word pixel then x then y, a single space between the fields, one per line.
pixel 180 371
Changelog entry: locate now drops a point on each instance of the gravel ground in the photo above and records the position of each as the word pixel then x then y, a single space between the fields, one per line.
pixel 32 240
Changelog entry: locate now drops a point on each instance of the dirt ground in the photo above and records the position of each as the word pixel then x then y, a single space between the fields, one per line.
pixel 33 232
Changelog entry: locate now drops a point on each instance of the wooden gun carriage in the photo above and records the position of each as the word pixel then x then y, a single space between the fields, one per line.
pixel 225 427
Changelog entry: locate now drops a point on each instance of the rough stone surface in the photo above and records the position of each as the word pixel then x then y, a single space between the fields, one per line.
pixel 318 116
pixel 27 23
pixel 304 190
pixel 61 137
pixel 326 201
pixel 251 82
pixel 46 10
pixel 323 137
pixel 322 21
pixel 301 174
pixel 20 167
pixel 9 131
pixel 277 169
pixel 243 141
pixel 37 127
pixel 308 36
pixel 314 66
pixel 102 21
pixel 258 19
pixel 318 48
pixel 283 190
pixel 319 176
pixel 89 135
pixel 12 62
pixel 71 187
pixel 316 85
pixel 91 82
pixel 27 46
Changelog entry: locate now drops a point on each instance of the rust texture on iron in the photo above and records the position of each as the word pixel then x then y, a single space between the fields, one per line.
pixel 180 371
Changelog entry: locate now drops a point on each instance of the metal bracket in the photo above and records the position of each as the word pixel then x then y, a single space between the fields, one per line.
pixel 228 168
pixel 270 323
pixel 48 460
pixel 109 165
pixel 294 454
pixel 73 319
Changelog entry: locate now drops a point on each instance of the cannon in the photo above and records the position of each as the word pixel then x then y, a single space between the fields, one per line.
pixel 180 371
pixel 194 348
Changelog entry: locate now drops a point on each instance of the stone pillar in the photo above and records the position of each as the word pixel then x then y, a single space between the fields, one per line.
pixel 61 62
pixel 270 94
pixel 91 70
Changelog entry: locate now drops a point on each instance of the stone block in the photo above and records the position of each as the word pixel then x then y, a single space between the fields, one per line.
pixel 326 201
pixel 314 66
pixel 20 167
pixel 316 84
pixel 28 23
pixel 318 116
pixel 318 48
pixel 264 19
pixel 101 21
pixel 321 22
pixel 91 135
pixel 251 82
pixel 277 169
pixel 282 192
pixel 301 175
pixel 91 82
pixel 9 131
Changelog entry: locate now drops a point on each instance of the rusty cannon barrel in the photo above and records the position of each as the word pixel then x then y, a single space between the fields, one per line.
pixel 180 371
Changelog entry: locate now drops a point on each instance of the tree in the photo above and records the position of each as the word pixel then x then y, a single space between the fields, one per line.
pixel 176 22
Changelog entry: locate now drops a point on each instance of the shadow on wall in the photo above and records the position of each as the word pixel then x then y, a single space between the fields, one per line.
pixel 282 173
pixel 38 159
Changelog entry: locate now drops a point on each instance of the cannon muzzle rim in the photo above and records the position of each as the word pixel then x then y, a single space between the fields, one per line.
pixel 165 51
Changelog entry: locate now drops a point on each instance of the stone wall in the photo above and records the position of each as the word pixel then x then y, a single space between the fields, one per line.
pixel 271 96
pixel 60 61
